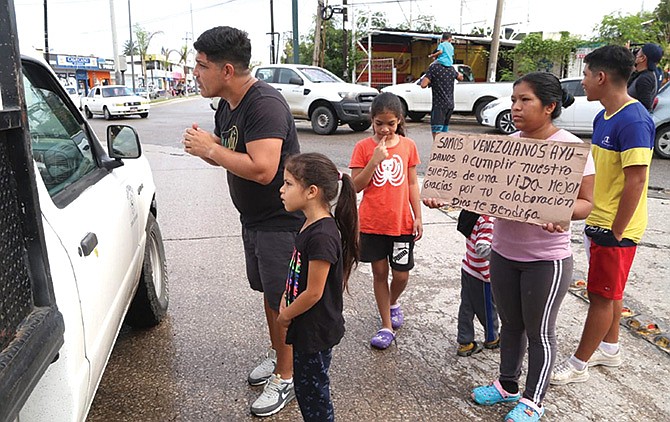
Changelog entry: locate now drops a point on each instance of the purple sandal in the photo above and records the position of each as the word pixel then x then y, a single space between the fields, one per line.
pixel 382 340
pixel 397 317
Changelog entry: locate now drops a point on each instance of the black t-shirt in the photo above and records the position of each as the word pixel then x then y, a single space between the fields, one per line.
pixel 322 326
pixel 642 86
pixel 442 83
pixel 262 113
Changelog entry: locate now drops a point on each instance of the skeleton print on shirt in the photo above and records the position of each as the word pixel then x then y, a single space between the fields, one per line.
pixel 389 171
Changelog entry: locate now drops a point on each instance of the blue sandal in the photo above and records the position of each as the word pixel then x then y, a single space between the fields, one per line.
pixel 493 393
pixel 525 411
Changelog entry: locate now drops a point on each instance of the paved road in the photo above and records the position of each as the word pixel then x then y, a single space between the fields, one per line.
pixel 193 367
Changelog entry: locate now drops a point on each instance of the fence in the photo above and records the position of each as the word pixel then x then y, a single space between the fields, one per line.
pixel 383 72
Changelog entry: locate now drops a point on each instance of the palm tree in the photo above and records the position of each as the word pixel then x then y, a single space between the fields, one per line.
pixel 128 49
pixel 143 39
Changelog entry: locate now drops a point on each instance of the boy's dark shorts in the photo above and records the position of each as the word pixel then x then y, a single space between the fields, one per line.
pixel 439 119
pixel 267 256
pixel 399 250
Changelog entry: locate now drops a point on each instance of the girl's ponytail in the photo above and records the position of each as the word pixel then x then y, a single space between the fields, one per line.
pixel 346 216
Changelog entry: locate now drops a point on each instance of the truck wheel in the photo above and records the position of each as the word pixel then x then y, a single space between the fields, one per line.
pixel 151 299
pixel 479 107
pixel 662 142
pixel 324 121
pixel 106 113
pixel 144 115
pixel 88 113
pixel 416 116
pixel 504 122
pixel 359 126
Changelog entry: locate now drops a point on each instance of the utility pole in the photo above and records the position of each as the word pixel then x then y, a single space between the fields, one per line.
pixel 46 34
pixel 345 45
pixel 296 42
pixel 495 42
pixel 272 34
pixel 132 46
pixel 115 44
pixel 317 34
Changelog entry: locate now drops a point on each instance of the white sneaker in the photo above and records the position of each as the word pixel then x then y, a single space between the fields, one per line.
pixel 564 373
pixel 275 396
pixel 601 357
pixel 262 372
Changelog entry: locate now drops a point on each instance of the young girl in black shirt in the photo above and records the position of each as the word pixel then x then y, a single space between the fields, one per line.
pixel 325 251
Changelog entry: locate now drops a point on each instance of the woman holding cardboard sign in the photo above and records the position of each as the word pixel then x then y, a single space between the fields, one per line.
pixel 531 266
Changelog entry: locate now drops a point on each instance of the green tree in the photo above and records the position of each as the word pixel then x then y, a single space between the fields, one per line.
pixel 143 38
pixel 130 49
pixel 536 54
pixel 640 28
pixel 424 23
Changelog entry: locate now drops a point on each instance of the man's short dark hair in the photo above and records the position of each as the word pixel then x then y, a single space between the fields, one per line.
pixel 225 44
pixel 446 36
pixel 614 60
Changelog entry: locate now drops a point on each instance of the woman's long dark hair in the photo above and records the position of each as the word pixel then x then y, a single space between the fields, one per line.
pixel 548 89
pixel 316 169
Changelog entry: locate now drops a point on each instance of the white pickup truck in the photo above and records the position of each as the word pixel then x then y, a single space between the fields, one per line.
pixel 470 97
pixel 317 95
pixel 81 249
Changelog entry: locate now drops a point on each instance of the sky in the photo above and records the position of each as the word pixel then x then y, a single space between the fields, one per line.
pixel 83 27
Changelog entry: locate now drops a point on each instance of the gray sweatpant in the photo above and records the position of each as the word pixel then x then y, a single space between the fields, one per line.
pixel 528 296
pixel 476 300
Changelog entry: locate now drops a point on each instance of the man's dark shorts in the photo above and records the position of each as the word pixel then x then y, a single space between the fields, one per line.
pixel 439 119
pixel 267 255
pixel 399 250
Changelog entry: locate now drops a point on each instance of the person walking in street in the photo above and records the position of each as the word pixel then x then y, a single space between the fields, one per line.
pixel 444 53
pixel 643 84
pixel 531 265
pixel 326 250
pixel 253 136
pixel 623 139
pixel 441 81
pixel 476 296
pixel 384 168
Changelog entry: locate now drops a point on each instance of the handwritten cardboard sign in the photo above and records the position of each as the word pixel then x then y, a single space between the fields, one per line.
pixel 529 180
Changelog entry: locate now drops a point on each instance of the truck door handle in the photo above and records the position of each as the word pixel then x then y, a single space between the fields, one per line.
pixel 278 89
pixel 88 244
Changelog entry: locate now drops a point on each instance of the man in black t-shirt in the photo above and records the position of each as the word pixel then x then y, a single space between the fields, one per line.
pixel 254 134
pixel 441 81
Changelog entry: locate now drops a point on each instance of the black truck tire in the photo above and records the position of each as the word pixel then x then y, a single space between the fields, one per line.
pixel 151 299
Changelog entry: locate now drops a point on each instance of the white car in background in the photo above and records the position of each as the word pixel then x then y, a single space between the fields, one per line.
pixel 114 100
pixel 578 118
pixel 72 93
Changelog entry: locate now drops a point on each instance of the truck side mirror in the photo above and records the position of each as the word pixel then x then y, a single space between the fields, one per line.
pixel 123 142
pixel 295 81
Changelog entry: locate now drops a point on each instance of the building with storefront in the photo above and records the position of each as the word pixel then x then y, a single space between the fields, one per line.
pixel 82 71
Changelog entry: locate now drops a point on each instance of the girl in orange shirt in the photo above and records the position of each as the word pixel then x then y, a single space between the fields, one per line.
pixel 384 168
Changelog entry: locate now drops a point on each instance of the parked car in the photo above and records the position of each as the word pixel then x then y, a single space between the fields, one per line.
pixel 114 100
pixel 470 97
pixel 661 116
pixel 101 252
pixel 578 118
pixel 72 93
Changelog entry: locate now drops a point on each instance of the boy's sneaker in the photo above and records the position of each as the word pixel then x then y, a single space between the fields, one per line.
pixel 493 344
pixel 469 349
pixel 262 372
pixel 275 396
pixel 397 317
pixel 564 373
pixel 602 358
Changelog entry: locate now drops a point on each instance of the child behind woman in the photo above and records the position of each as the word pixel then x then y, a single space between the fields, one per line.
pixel 384 168
pixel 326 249
pixel 476 296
